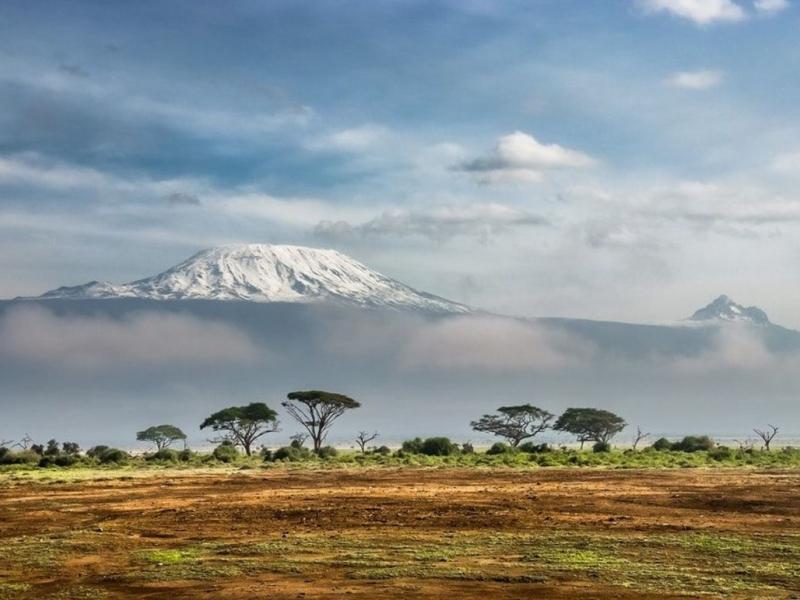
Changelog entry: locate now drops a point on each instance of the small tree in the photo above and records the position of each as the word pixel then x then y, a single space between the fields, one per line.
pixel 639 437
pixel 317 410
pixel 515 423
pixel 161 435
pixel 767 435
pixel 590 424
pixel 363 438
pixel 243 425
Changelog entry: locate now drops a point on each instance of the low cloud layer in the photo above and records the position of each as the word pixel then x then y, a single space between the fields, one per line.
pixel 36 336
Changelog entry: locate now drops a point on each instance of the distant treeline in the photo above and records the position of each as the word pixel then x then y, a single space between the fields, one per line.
pixel 239 428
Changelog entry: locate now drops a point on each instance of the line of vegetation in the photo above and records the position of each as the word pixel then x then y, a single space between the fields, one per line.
pixel 237 430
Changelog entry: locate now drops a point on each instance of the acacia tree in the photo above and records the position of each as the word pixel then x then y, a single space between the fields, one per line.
pixel 161 435
pixel 515 423
pixel 590 424
pixel 363 438
pixel 243 425
pixel 767 435
pixel 317 410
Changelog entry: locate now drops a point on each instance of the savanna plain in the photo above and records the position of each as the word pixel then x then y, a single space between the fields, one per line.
pixel 425 529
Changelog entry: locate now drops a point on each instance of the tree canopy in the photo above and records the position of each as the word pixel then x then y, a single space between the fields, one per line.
pixel 515 423
pixel 317 410
pixel 161 435
pixel 590 424
pixel 243 425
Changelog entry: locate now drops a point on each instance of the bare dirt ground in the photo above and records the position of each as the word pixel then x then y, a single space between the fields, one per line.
pixel 404 533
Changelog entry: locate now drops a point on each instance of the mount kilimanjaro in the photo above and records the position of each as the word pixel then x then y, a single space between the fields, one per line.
pixel 268 273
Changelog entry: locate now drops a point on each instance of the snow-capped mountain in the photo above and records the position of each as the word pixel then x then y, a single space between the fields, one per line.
pixel 725 309
pixel 268 273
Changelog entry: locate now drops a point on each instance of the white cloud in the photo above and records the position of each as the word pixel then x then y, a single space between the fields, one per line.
pixel 695 80
pixel 521 157
pixel 787 163
pixel 356 139
pixel 701 12
pixel 438 223
pixel 770 7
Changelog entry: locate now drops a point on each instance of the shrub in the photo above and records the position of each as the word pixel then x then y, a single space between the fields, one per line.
pixel 498 448
pixel 61 460
pixel 721 453
pixel 327 452
pixel 20 458
pixel 385 450
pixel 96 451
pixel 3 451
pixel 532 448
pixel 412 446
pixel 438 446
pixel 226 452
pixel 601 447
pixel 662 444
pixel 291 453
pixel 185 455
pixel 165 454
pixel 113 455
pixel 692 443
pixel 265 454
pixel 467 448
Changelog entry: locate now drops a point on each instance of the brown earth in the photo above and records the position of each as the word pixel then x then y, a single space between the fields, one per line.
pixel 404 533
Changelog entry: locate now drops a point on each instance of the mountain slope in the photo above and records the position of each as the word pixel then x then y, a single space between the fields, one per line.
pixel 268 273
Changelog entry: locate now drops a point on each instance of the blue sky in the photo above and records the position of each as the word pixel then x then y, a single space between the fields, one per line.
pixel 625 159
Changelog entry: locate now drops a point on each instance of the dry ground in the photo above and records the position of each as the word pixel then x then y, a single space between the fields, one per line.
pixel 403 533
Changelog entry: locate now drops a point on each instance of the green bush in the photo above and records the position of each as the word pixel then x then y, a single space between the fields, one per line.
pixel 61 460
pixel 384 450
pixel 438 446
pixel 412 446
pixel 96 451
pixel 532 448
pixel 164 455
pixel 226 452
pixel 113 455
pixel 499 448
pixel 694 443
pixel 662 444
pixel 292 454
pixel 20 458
pixel 467 448
pixel 721 454
pixel 601 447
pixel 3 451
pixel 327 452
pixel 265 453
pixel 185 455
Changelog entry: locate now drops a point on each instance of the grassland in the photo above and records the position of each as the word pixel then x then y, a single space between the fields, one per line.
pixel 298 530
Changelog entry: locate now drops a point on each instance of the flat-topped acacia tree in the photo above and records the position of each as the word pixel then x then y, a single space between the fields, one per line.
pixel 590 424
pixel 243 425
pixel 316 411
pixel 161 435
pixel 515 423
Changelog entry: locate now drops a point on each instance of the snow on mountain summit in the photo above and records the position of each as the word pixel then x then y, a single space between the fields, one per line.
pixel 725 309
pixel 268 273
